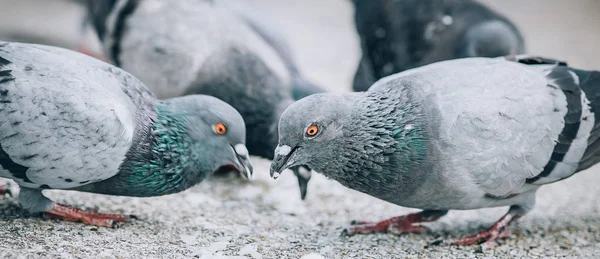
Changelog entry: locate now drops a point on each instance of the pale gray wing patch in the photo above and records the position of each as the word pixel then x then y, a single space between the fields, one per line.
pixel 498 121
pixel 68 129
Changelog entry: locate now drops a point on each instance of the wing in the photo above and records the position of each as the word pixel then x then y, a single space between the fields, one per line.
pixel 498 123
pixel 577 85
pixel 65 119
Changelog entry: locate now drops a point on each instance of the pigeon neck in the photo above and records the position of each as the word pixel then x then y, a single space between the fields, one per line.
pixel 157 162
pixel 386 144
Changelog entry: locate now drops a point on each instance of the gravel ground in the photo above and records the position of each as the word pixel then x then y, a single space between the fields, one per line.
pixel 226 217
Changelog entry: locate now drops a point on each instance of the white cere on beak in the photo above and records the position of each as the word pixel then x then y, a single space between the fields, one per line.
pixel 241 150
pixel 283 150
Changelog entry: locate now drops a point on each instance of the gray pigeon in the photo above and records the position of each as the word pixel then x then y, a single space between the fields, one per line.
pixel 218 48
pixel 455 135
pixel 400 35
pixel 71 122
pixel 265 28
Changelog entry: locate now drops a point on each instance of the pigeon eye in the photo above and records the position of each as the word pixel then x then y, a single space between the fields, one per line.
pixel 220 128
pixel 312 130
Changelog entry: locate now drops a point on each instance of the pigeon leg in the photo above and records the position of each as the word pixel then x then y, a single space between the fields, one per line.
pixel 34 201
pixel 60 211
pixel 488 237
pixel 396 225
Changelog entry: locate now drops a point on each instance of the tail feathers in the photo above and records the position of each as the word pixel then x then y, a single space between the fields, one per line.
pixel 589 81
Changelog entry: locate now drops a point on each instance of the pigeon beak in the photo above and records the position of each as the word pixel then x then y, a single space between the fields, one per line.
pixel 281 161
pixel 303 174
pixel 243 159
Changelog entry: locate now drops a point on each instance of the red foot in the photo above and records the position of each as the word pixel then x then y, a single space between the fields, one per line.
pixel 90 53
pixel 396 225
pixel 486 238
pixel 60 211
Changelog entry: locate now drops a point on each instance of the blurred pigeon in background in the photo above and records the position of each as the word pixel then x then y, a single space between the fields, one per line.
pixel 518 126
pixel 400 35
pixel 266 28
pixel 218 48
pixel 71 122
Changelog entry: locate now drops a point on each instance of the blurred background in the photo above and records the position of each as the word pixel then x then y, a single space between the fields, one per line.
pixel 322 34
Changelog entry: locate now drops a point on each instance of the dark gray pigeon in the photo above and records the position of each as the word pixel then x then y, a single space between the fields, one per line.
pixel 71 122
pixel 400 35
pixel 454 135
pixel 218 48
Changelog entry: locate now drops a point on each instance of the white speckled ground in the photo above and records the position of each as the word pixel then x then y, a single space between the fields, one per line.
pixel 266 219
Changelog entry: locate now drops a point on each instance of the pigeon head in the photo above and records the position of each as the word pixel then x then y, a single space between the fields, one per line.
pixel 491 39
pixel 349 136
pixel 215 133
pixel 312 132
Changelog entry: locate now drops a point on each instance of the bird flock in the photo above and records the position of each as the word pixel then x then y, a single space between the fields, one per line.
pixel 447 113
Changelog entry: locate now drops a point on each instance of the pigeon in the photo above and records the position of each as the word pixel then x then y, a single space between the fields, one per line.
pixel 222 49
pixel 453 135
pixel 71 122
pixel 265 28
pixel 400 35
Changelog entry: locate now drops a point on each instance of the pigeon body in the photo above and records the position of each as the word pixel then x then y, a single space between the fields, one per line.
pixel 454 135
pixel 400 35
pixel 222 49
pixel 71 122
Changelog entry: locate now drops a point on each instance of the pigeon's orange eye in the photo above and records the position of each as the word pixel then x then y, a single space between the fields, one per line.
pixel 220 128
pixel 312 130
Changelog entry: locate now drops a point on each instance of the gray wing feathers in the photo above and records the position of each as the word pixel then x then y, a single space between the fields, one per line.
pixel 496 121
pixel 77 125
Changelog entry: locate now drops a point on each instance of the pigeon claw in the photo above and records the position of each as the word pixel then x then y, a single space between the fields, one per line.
pixel 436 242
pixel 344 233
pixel 485 239
pixel 396 225
pixel 64 212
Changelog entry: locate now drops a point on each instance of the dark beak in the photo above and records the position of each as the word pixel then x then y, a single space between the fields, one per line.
pixel 303 173
pixel 244 165
pixel 281 160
